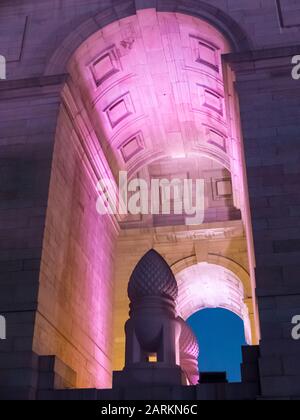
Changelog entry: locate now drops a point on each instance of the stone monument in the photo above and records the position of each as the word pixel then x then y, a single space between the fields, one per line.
pixel 153 330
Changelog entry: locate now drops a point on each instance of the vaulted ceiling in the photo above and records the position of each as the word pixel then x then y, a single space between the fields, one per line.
pixel 153 85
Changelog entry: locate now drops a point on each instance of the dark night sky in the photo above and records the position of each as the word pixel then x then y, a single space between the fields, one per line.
pixel 220 334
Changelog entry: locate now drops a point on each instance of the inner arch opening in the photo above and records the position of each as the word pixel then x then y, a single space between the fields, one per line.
pixel 208 286
pixel 220 335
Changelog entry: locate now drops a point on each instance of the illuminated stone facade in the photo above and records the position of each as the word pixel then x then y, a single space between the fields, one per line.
pixel 161 89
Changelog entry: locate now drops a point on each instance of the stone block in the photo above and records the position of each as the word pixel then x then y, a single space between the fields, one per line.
pixel 270 366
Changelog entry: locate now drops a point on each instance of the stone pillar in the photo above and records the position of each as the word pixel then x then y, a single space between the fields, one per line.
pixel 270 112
pixel 28 118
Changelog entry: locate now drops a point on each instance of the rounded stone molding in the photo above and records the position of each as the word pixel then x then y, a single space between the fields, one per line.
pixel 188 342
pixel 189 353
pixel 222 261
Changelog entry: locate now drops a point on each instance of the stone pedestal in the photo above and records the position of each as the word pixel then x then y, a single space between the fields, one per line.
pixel 158 374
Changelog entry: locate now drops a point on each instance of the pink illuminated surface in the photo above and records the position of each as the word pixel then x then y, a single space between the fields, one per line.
pixel 205 286
pixel 159 75
pixel 148 91
pixel 153 89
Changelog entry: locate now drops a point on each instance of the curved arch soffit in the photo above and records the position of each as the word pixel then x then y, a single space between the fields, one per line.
pixel 221 261
pixel 203 285
pixel 236 36
pixel 221 159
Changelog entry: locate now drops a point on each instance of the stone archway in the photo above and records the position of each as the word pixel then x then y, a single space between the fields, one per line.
pixel 213 259
pixel 231 30
pixel 126 105
pixel 203 285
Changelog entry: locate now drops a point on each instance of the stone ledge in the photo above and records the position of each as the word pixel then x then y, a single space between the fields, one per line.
pixel 33 82
pixel 265 54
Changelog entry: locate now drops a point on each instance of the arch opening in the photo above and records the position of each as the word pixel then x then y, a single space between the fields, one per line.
pixel 149 95
pixel 221 335
pixel 203 286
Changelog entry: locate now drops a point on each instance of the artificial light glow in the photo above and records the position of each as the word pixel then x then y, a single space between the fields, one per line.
pixel 152 358
pixel 179 156
pixel 203 286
